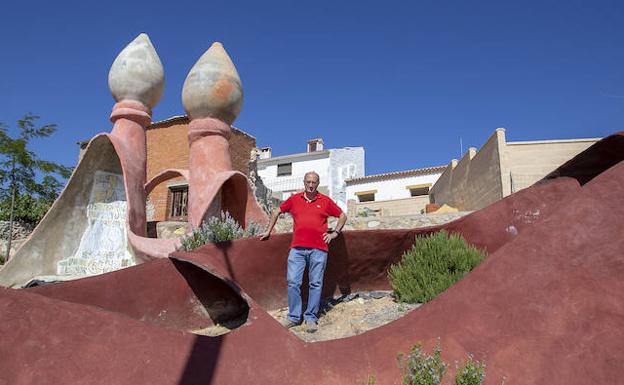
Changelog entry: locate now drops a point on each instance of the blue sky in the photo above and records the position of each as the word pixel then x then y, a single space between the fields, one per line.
pixel 404 79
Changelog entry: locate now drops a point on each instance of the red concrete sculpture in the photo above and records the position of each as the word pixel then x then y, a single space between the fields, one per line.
pixel 546 306
pixel 212 95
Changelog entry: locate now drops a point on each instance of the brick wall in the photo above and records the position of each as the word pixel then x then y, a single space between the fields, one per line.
pixel 167 147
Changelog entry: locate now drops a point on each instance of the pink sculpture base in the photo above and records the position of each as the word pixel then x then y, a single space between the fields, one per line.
pixel 210 168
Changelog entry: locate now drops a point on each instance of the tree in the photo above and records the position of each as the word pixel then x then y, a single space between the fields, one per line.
pixel 21 168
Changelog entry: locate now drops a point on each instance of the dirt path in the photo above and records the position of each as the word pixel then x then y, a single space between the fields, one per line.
pixel 340 317
pixel 351 315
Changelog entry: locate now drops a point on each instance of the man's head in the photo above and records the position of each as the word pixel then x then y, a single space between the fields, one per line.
pixel 311 182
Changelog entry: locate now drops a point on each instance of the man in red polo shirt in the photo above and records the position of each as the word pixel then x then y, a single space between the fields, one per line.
pixel 309 210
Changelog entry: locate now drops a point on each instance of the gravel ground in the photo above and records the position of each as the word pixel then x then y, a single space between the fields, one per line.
pixel 351 315
pixel 340 317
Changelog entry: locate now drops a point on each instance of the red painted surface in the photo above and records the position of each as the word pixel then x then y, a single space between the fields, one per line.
pixel 545 307
pixel 210 167
pixel 130 119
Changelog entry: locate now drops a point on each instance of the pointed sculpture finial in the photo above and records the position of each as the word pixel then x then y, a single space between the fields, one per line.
pixel 212 88
pixel 137 73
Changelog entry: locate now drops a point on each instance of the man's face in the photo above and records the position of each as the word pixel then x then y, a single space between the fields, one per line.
pixel 311 183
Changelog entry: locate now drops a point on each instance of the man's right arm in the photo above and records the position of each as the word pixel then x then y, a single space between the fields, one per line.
pixel 267 234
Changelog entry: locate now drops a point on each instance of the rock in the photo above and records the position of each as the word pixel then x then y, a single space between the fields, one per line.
pixel 350 297
pixel 379 294
pixel 171 229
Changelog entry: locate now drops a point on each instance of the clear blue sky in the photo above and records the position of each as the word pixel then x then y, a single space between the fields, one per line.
pixel 404 79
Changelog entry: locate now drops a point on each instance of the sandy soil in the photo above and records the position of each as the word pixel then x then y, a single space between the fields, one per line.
pixel 346 317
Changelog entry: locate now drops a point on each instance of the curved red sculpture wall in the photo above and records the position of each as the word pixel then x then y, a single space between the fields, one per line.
pixel 546 306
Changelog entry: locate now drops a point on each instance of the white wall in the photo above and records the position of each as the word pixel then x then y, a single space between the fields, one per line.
pixel 333 167
pixel 345 163
pixel 292 183
pixel 391 188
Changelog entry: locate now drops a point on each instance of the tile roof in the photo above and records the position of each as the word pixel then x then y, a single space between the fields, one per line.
pixel 184 119
pixel 397 174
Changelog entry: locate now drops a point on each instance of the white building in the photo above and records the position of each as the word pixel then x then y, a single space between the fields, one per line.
pixel 284 174
pixel 393 193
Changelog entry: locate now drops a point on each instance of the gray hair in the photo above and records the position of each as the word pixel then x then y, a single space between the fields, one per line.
pixel 318 178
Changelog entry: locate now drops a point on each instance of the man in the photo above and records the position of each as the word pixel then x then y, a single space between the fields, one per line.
pixel 309 246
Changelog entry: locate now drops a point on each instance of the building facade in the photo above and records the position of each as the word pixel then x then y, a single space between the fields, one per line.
pixel 391 194
pixel 501 168
pixel 284 174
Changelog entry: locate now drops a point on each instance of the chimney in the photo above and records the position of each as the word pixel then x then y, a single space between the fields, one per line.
pixel 265 152
pixel 315 145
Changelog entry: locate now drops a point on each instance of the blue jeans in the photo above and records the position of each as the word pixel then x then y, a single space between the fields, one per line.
pixel 298 258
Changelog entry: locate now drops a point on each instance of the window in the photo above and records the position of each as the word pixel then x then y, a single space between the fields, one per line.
pixel 179 202
pixel 366 196
pixel 284 169
pixel 346 172
pixel 419 189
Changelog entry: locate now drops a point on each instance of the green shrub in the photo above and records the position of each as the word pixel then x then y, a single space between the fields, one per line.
pixel 434 263
pixel 420 368
pixel 219 229
pixel 471 373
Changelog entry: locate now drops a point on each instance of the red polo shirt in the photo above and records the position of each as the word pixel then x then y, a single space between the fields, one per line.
pixel 310 219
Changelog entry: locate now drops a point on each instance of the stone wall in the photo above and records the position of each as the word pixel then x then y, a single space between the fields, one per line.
pixel 476 180
pixel 20 232
pixel 394 207
pixel 529 162
pixel 284 224
pixel 264 196
pixel 500 168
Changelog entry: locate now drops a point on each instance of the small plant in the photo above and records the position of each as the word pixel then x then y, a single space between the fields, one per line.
pixel 219 229
pixel 471 373
pixel 420 368
pixel 434 263
pixel 254 229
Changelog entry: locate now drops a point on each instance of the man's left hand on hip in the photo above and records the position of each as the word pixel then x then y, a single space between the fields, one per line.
pixel 327 237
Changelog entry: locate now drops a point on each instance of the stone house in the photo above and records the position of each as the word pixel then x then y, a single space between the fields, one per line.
pixel 501 168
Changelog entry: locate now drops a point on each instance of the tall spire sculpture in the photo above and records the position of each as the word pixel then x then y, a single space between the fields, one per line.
pixel 212 97
pixel 57 245
pixel 136 80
